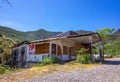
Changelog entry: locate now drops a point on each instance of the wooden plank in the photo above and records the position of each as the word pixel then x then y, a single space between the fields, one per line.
pixel 42 48
pixel 65 50
pixel 59 50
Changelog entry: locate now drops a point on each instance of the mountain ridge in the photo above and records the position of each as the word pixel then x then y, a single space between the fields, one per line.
pixel 32 35
pixel 29 35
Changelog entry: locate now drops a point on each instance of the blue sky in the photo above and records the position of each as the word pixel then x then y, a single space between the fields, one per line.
pixel 61 15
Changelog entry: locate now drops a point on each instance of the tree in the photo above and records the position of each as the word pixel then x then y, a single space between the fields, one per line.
pixel 106 35
pixel 6 48
pixel 113 49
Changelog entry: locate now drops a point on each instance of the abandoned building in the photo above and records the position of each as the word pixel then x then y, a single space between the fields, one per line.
pixel 63 46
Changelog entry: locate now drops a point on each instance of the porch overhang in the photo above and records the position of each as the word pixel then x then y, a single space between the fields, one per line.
pixel 86 39
pixel 82 39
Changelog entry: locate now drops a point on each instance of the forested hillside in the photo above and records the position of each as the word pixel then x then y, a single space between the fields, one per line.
pixel 30 35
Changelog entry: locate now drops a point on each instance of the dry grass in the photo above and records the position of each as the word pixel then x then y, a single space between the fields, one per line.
pixel 41 71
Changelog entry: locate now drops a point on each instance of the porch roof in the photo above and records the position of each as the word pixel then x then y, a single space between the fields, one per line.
pixel 82 39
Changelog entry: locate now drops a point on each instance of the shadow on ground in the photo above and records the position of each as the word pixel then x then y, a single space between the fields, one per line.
pixel 112 62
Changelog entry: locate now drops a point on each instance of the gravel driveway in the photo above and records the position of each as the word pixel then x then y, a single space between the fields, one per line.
pixel 108 72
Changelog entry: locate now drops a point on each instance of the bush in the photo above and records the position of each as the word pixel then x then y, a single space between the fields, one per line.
pixel 56 60
pixel 50 60
pixel 2 69
pixel 46 61
pixel 84 59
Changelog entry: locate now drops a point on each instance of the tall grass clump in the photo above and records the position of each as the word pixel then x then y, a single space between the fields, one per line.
pixel 84 58
pixel 50 60
pixel 2 69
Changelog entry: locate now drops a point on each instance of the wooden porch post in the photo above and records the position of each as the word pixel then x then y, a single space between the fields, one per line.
pixel 91 51
pixel 50 49
pixel 61 51
pixel 56 50
pixel 100 52
pixel 90 44
pixel 69 53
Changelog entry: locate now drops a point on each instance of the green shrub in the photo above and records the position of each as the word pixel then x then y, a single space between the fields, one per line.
pixel 84 59
pixel 50 60
pixel 2 69
pixel 46 61
pixel 56 60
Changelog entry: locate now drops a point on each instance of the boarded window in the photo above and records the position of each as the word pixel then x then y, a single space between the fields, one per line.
pixel 53 48
pixel 70 50
pixel 73 51
pixel 59 50
pixel 42 48
pixel 78 47
pixel 65 50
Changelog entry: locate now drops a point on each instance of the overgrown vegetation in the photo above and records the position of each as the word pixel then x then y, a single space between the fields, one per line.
pixel 6 44
pixel 110 43
pixel 83 57
pixel 5 69
pixel 6 49
pixel 50 60
pixel 112 49
pixel 2 69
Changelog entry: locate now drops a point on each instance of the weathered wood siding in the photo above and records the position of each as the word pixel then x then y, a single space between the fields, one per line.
pixel 42 48
pixel 65 50
pixel 59 50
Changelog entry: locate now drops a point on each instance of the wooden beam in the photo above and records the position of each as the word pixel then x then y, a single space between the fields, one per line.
pixel 56 50
pixel 69 53
pixel 100 52
pixel 50 49
pixel 61 51
pixel 90 44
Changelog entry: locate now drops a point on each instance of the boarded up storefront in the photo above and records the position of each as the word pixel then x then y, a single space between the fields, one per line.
pixel 42 48
pixel 64 46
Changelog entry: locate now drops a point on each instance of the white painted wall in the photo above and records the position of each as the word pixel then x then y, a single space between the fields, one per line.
pixel 73 57
pixel 38 57
pixel 65 57
pixel 34 57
